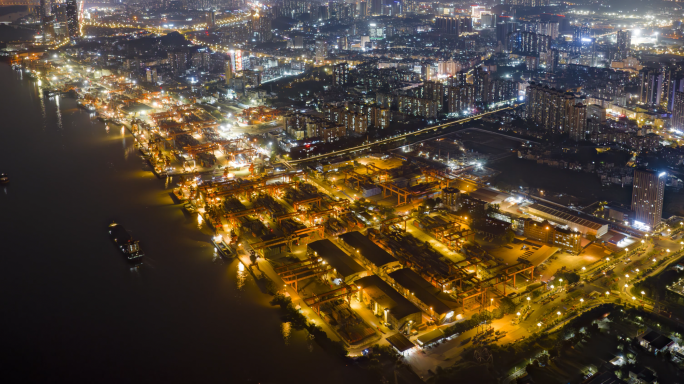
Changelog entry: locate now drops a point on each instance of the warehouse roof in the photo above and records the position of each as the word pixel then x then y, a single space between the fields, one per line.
pixel 387 297
pixel 421 289
pixel 400 342
pixel 568 215
pixel 343 263
pixel 367 248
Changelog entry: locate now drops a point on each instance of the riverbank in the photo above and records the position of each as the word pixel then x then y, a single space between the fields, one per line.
pixel 74 309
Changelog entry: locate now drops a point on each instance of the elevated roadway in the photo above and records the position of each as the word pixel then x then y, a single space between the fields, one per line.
pixel 393 139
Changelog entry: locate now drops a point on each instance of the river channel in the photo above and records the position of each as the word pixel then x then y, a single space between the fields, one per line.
pixel 74 310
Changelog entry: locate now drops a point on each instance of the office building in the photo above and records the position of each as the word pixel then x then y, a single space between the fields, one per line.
pixel 647 197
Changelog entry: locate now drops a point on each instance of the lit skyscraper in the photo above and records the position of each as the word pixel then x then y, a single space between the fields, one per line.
pixel 647 197
pixel 72 18
pixel 624 42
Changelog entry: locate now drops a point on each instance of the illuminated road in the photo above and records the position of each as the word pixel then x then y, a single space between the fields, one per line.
pixel 402 136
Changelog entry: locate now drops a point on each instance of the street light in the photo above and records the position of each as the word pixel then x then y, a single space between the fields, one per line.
pixel 581 302
pixel 584 268
pixel 528 301
pixel 642 295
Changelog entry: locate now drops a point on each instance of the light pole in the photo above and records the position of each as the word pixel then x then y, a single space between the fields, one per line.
pixel 528 301
pixel 518 317
pixel 607 294
pixel 581 302
pixel 561 283
pixel 539 325
pixel 642 295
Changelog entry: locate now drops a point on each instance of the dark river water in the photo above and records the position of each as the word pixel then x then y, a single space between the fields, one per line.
pixel 72 310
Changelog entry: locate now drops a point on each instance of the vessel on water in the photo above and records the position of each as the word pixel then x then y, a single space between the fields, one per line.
pixel 129 247
pixel 4 178
pixel 224 249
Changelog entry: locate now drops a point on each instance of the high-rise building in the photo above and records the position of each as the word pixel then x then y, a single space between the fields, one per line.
pixel 556 110
pixel 45 8
pixel 151 74
pixel 228 67
pixel 453 25
pixel 341 74
pixel 678 111
pixel 624 42
pixel 178 61
pixel 321 50
pixel 299 42
pixel 362 11
pixel 211 18
pixel 651 86
pixel 674 83
pixel 72 18
pixel 577 128
pixel 504 28
pixel 376 7
pixel 528 42
pixel 647 197
pixel 61 21
pixel 460 98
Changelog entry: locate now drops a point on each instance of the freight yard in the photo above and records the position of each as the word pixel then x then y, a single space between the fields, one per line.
pixel 391 249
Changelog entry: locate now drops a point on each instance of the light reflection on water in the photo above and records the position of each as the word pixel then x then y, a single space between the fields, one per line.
pixel 241 276
pixel 286 329
pixel 59 113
